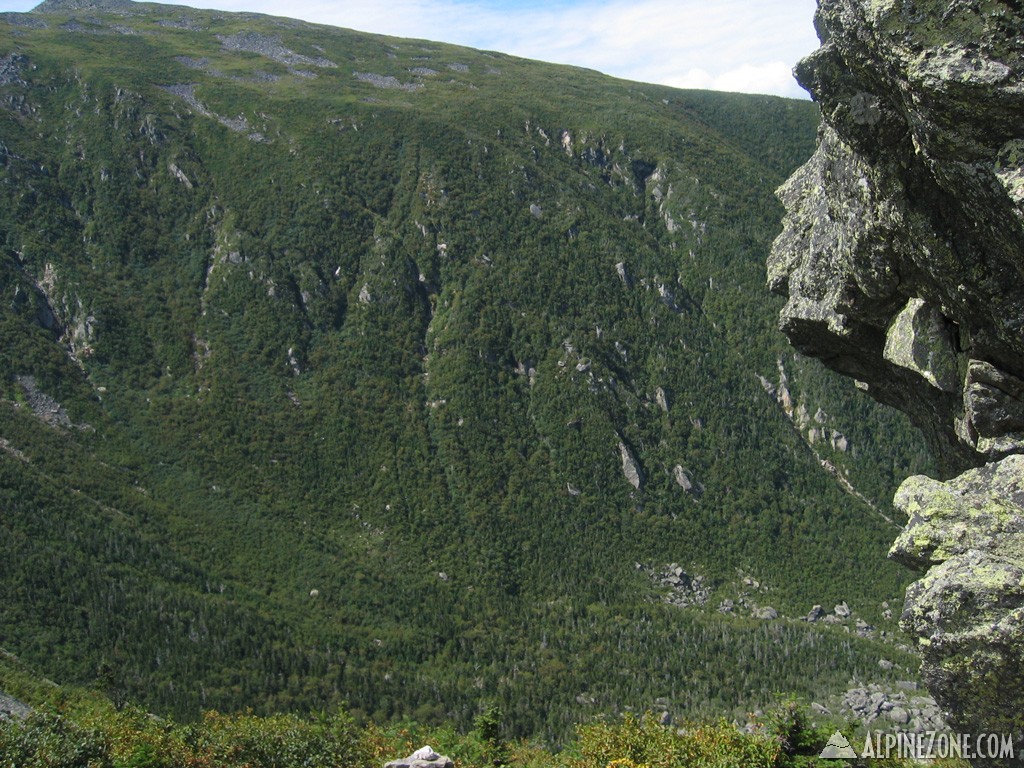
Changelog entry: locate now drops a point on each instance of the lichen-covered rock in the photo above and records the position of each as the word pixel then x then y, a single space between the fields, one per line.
pixel 969 616
pixel 993 409
pixel 981 509
pixel 902 261
pixel 968 610
pixel 915 194
pixel 918 340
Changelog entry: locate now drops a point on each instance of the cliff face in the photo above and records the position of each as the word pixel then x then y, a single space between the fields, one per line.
pixel 902 258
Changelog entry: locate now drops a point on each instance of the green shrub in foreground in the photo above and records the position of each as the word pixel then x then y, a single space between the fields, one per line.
pixel 640 742
pixel 134 739
pixel 44 740
pixel 104 738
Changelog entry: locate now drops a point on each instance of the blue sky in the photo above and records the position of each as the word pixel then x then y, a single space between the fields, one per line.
pixel 732 45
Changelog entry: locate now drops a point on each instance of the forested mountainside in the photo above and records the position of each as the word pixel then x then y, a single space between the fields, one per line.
pixel 336 367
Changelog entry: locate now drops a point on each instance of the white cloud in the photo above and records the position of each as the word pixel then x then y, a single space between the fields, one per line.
pixel 745 45
pixel 772 77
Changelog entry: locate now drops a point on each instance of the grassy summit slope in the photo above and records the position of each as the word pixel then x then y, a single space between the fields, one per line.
pixel 337 366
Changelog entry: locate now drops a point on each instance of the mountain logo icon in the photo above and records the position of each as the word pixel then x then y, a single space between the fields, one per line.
pixel 838 748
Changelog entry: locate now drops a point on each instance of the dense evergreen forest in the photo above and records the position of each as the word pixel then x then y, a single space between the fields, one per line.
pixel 337 368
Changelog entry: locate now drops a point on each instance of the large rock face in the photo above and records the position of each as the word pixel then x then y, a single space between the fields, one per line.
pixel 902 257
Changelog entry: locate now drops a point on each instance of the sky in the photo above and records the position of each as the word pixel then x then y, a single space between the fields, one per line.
pixel 728 45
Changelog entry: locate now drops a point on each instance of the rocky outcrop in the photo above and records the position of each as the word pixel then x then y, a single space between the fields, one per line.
pixel 44 407
pixel 424 757
pixel 64 6
pixel 11 67
pixel 902 261
pixel 271 47
pixel 901 253
pixel 968 609
pixel 239 124
pixel 683 589
pixel 882 708
pixel 684 479
pixel 12 709
pixel 630 467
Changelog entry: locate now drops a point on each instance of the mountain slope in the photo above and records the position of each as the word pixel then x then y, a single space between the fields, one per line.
pixel 373 369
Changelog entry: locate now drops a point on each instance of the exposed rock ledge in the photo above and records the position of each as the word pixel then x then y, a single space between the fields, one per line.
pixel 424 757
pixel 902 258
pixel 11 708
